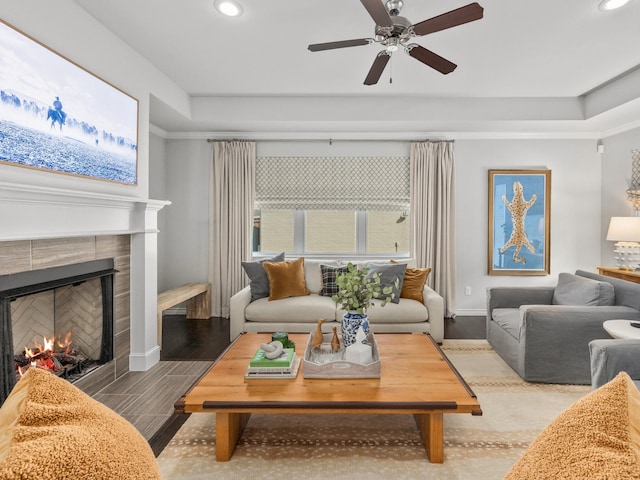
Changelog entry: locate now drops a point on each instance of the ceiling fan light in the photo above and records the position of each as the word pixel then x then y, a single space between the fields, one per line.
pixel 606 5
pixel 230 8
pixel 392 44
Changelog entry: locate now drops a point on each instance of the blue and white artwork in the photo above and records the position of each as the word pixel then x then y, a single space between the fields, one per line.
pixel 519 230
pixel 56 116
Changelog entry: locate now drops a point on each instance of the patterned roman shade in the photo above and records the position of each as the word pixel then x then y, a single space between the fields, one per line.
pixel 332 183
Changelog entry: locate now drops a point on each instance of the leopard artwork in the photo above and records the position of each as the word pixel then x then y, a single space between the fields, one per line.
pixel 518 208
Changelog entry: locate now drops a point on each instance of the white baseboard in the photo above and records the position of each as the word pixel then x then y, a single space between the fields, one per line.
pixel 143 362
pixel 478 312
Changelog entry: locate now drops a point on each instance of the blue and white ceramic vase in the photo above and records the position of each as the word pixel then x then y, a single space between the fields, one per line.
pixel 351 321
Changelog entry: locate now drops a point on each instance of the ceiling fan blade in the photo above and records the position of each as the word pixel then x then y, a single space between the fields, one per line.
pixel 456 17
pixel 377 68
pixel 317 47
pixel 378 12
pixel 430 59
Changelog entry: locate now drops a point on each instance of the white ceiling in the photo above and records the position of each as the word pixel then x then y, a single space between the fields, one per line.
pixel 527 66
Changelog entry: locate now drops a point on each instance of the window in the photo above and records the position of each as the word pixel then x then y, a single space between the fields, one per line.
pixel 330 231
pixel 388 232
pixel 332 205
pixel 273 231
pixel 317 232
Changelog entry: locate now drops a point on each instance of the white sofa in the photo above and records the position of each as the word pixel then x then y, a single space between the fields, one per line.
pixel 301 314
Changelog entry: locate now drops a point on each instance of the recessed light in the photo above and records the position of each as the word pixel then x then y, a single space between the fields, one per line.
pixel 230 8
pixel 606 5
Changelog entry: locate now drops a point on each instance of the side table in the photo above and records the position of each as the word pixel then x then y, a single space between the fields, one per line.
pixel 628 275
pixel 622 329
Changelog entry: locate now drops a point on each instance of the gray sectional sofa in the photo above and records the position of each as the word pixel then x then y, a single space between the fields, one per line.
pixel 609 357
pixel 543 333
pixel 300 314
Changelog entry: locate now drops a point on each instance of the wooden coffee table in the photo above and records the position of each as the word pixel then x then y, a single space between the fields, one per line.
pixel 416 378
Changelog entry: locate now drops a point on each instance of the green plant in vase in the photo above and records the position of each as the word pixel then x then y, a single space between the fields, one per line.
pixel 357 291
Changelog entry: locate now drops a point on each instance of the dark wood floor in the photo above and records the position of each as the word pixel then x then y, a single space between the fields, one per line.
pixel 468 328
pixel 189 348
pixel 191 339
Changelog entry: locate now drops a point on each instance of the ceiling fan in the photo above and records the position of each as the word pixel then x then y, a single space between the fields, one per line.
pixel 393 31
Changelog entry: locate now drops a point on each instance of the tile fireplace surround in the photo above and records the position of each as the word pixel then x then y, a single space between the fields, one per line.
pixel 43 226
pixel 27 255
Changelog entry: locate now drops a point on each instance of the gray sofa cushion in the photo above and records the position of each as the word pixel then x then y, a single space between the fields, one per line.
pixel 627 293
pixel 575 290
pixel 259 281
pixel 509 319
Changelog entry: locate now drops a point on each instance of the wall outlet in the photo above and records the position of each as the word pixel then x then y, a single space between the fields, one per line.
pixel 467 290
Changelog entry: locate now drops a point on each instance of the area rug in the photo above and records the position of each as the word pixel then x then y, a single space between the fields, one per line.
pixel 383 446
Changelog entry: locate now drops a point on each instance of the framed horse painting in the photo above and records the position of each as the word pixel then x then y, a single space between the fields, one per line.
pixel 519 208
pixel 57 116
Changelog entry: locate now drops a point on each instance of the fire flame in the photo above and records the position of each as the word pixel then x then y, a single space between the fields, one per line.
pixel 66 343
pixel 53 355
pixel 48 345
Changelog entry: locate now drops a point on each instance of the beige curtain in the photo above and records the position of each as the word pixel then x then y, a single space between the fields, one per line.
pixel 432 211
pixel 230 220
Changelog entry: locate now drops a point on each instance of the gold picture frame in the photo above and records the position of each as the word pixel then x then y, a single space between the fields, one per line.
pixel 519 222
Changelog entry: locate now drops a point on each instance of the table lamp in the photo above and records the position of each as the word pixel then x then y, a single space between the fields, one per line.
pixel 625 231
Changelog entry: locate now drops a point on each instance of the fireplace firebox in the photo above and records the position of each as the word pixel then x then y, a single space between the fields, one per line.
pixel 72 303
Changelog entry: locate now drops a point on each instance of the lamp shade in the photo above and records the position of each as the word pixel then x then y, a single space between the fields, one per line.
pixel 624 229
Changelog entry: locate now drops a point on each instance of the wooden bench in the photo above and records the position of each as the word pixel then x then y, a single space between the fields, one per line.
pixel 197 296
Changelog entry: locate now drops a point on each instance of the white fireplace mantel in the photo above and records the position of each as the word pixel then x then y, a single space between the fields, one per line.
pixel 35 213
pixel 30 213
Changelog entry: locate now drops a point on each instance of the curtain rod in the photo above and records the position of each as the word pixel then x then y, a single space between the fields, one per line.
pixel 330 140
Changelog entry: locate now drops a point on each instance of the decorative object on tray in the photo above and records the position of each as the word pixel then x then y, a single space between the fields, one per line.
pixel 316 340
pixel 322 362
pixel 357 289
pixel 359 352
pixel 335 341
pixel 351 322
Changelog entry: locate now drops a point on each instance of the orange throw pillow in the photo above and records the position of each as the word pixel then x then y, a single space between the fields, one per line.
pixel 286 279
pixel 414 280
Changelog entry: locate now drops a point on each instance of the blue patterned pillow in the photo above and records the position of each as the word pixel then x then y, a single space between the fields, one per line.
pixel 329 275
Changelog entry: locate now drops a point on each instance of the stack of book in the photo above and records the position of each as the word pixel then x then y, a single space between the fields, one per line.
pixel 285 366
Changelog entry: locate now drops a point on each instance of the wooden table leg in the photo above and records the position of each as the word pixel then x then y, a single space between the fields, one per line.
pixel 431 426
pixel 229 427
